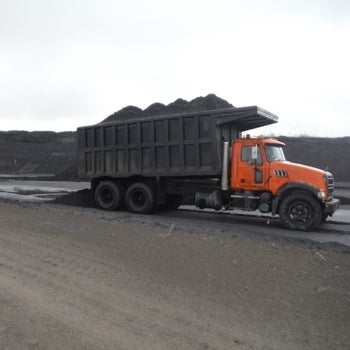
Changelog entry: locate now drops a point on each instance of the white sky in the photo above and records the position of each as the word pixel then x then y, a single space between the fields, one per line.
pixel 69 63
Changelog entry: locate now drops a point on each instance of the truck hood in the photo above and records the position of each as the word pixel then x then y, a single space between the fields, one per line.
pixel 298 172
pixel 298 167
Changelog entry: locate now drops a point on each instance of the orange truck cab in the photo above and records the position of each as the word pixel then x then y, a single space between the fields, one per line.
pixel 261 178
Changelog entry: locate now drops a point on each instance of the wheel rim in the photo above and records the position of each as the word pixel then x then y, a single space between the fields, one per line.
pixel 139 198
pixel 107 196
pixel 300 212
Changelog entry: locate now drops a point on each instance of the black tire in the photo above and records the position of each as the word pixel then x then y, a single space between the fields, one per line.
pixel 109 195
pixel 173 201
pixel 300 211
pixel 141 198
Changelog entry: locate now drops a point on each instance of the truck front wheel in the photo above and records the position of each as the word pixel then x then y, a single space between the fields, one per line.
pixel 141 198
pixel 300 211
pixel 109 195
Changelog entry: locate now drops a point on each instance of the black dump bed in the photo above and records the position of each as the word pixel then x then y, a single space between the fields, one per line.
pixel 166 146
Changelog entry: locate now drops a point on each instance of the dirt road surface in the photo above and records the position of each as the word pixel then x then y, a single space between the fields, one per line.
pixel 79 278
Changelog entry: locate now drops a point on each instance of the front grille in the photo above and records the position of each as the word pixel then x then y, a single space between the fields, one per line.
pixel 330 184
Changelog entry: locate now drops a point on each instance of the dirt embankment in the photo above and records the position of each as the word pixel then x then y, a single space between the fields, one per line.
pixel 55 153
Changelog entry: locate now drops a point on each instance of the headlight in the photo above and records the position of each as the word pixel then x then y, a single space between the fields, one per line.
pixel 321 195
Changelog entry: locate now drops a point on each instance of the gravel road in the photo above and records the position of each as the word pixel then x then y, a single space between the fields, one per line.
pixel 79 278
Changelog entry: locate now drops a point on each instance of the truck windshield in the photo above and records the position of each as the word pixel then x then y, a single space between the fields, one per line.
pixel 274 153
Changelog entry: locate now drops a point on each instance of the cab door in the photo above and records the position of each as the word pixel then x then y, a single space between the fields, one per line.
pixel 248 169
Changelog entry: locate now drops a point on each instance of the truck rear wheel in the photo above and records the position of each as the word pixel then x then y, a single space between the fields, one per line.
pixel 141 198
pixel 109 195
pixel 300 211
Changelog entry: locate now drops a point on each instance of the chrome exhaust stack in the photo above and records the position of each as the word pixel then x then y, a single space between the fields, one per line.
pixel 225 163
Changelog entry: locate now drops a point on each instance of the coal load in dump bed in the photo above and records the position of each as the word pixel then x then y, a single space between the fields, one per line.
pixel 183 139
pixel 209 102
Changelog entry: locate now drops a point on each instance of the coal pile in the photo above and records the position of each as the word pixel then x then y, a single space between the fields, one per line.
pixel 37 152
pixel 209 102
pixel 330 154
pixel 69 173
pixel 82 198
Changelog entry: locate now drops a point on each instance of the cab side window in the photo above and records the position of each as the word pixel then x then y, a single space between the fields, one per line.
pixel 246 155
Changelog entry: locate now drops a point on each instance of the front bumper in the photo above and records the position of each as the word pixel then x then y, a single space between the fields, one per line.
pixel 331 206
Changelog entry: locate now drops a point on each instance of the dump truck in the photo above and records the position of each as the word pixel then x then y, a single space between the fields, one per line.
pixel 145 164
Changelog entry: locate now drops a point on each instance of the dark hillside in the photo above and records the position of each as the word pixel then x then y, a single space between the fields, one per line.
pixel 55 153
pixel 44 152
pixel 23 152
pixel 324 153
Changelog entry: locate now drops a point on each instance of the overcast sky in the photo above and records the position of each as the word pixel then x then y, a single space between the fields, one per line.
pixel 69 63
